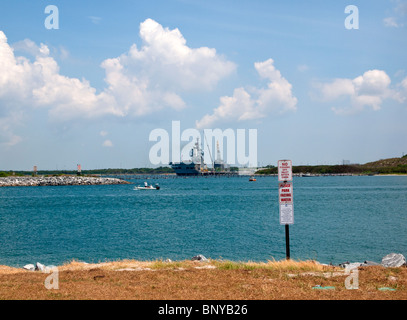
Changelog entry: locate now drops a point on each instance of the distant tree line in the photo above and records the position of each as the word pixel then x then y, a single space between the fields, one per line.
pixel 370 168
pixel 338 169
pixel 4 174
pixel 160 170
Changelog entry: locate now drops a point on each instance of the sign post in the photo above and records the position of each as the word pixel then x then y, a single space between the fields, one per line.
pixel 285 197
pixel 287 242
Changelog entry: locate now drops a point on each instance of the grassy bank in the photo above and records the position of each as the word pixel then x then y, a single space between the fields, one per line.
pixel 195 280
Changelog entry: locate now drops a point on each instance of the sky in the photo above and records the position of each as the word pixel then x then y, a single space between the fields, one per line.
pixel 88 81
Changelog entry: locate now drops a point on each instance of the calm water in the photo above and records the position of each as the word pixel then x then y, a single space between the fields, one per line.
pixel 337 219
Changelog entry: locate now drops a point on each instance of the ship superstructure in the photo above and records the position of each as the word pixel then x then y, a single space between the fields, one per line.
pixel 193 167
pixel 219 165
pixel 196 165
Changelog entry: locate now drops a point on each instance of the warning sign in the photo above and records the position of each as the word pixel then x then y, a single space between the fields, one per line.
pixel 285 192
pixel 286 214
pixel 285 170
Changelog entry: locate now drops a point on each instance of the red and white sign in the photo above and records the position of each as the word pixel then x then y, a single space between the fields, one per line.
pixel 285 193
pixel 285 197
pixel 285 170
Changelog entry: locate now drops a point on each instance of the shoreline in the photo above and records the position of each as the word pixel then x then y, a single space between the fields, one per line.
pixel 391 260
pixel 153 265
pixel 16 181
pixel 203 280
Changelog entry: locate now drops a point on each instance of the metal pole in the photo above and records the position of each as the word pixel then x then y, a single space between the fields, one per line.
pixel 287 241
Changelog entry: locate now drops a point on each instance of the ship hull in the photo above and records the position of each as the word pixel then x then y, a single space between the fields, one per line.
pixel 185 169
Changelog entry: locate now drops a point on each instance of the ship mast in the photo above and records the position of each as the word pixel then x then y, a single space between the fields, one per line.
pixel 213 163
pixel 217 151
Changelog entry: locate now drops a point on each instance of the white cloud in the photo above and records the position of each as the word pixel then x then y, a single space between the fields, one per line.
pixel 107 143
pixel 139 82
pixel 277 97
pixel 28 85
pixel 63 53
pixel 30 47
pixel 239 107
pixel 303 68
pixel 167 59
pixel 404 83
pixel 391 22
pixel 367 90
pixel 397 20
pixel 39 84
pixel 95 20
pixel 154 77
pixel 402 94
pixel 7 125
pixel 103 133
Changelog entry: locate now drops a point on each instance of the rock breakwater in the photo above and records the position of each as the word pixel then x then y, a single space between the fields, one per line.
pixel 57 181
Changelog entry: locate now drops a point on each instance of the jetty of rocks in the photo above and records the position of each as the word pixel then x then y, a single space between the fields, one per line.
pixel 58 181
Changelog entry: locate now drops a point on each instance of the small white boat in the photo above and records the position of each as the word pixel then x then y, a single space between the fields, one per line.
pixel 147 187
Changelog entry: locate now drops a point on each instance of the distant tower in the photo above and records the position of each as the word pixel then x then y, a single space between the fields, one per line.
pixel 35 171
pixel 79 170
pixel 219 164
pixel 218 152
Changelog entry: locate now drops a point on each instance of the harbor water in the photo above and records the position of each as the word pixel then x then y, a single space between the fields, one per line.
pixel 336 219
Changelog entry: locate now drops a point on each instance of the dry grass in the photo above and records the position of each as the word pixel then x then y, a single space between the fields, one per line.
pixel 220 264
pixel 193 280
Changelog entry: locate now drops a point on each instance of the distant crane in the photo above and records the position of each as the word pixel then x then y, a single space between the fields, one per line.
pixel 213 163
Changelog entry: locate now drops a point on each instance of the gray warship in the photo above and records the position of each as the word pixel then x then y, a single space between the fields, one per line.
pixel 197 167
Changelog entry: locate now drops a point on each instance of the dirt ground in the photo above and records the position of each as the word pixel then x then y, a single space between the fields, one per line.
pixel 213 280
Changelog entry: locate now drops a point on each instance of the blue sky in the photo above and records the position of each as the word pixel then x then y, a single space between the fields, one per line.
pixel 91 91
